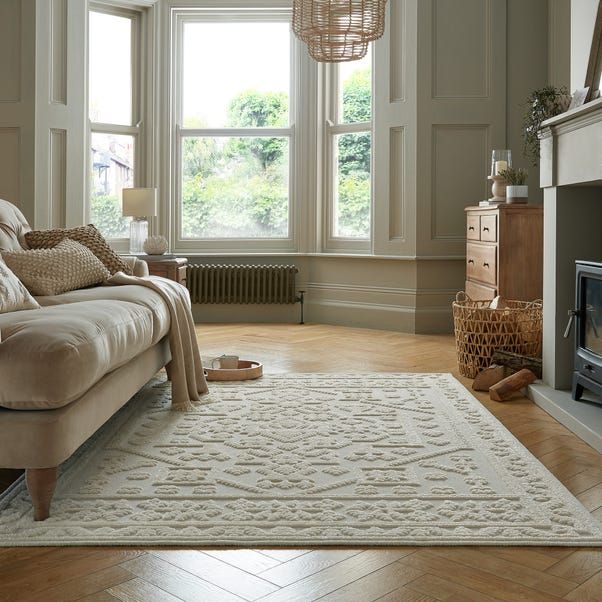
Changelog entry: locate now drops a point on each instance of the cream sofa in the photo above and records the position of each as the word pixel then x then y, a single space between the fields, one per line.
pixel 67 368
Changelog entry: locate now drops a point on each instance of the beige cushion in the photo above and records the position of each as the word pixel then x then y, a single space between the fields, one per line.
pixel 88 236
pixel 13 294
pixel 66 267
pixel 13 227
pixel 138 295
pixel 50 357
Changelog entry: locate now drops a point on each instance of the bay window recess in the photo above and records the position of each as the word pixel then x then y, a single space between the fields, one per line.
pixel 241 163
pixel 115 116
pixel 248 167
pixel 233 131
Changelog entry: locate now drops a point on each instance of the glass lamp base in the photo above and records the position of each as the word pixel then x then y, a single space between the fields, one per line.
pixel 138 235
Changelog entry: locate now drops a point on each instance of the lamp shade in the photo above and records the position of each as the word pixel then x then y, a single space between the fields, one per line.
pixel 336 31
pixel 139 202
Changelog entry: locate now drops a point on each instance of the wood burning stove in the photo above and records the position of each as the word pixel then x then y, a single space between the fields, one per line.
pixel 587 317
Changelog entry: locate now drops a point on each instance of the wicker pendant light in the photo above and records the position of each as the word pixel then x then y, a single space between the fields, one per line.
pixel 336 49
pixel 338 30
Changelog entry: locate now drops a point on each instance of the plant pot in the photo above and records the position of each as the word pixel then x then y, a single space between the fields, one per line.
pixel 517 194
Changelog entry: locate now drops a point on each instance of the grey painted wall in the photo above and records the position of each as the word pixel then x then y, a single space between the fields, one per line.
pixel 527 70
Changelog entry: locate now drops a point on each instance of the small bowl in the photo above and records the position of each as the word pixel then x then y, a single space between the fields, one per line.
pixel 247 370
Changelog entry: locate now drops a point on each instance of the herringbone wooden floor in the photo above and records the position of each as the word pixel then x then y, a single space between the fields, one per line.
pixel 346 575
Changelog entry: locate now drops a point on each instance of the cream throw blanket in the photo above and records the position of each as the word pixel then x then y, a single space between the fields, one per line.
pixel 185 369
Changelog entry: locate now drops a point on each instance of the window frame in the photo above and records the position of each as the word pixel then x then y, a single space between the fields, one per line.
pixel 332 128
pixel 136 128
pixel 206 13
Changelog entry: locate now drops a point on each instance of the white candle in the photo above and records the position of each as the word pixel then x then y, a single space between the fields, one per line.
pixel 500 166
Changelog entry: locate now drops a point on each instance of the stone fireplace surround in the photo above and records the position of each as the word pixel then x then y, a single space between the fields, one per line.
pixel 571 176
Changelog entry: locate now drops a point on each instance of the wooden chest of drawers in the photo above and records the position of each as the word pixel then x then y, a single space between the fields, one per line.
pixel 504 252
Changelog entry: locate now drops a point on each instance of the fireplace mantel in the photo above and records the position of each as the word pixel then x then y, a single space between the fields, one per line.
pixel 571 176
pixel 571 148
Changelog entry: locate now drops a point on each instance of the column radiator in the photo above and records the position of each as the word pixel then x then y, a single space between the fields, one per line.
pixel 242 284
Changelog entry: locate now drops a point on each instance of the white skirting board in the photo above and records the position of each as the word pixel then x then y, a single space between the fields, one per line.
pixel 584 418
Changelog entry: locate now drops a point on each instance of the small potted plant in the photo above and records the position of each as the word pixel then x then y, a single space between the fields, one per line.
pixel 517 190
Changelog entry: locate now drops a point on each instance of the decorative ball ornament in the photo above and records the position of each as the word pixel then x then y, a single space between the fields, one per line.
pixel 338 30
pixel 155 245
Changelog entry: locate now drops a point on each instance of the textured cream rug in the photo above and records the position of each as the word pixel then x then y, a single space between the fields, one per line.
pixel 305 460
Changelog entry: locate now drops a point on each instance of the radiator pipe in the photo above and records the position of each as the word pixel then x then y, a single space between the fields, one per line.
pixel 301 300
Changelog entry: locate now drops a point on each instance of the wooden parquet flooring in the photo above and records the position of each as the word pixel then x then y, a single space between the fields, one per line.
pixel 406 574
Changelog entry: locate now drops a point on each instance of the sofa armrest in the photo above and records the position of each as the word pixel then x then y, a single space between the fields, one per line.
pixel 139 267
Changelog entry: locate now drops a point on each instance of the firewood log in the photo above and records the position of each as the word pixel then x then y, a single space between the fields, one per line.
pixel 498 303
pixel 517 362
pixel 503 390
pixel 488 377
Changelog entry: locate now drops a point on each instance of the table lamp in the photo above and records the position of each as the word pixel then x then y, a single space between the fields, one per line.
pixel 139 203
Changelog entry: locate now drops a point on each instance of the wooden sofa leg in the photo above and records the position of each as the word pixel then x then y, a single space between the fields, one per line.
pixel 40 484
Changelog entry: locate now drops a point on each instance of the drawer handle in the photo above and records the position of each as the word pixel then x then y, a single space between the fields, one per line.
pixel 471 261
pixel 485 265
pixel 485 229
pixel 471 227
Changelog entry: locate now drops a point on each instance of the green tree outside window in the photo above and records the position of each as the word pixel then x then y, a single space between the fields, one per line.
pixel 237 187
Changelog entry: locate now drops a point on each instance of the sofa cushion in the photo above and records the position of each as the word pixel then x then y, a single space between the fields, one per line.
pixel 41 439
pixel 139 295
pixel 13 294
pixel 88 236
pixel 66 267
pixel 50 357
pixel 13 227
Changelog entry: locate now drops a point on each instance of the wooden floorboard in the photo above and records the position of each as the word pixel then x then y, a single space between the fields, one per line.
pixel 457 574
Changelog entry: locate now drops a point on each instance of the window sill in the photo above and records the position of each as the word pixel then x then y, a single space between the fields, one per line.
pixel 329 255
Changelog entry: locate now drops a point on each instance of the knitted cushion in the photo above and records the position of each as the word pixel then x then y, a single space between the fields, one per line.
pixel 13 295
pixel 66 267
pixel 88 236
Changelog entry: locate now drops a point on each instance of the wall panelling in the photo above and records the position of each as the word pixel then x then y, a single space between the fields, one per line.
pixel 397 178
pixel 58 177
pixel 459 162
pixel 61 113
pixel 59 49
pixel 10 152
pixel 10 50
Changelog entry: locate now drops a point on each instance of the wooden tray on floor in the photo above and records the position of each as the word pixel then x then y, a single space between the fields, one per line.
pixel 247 370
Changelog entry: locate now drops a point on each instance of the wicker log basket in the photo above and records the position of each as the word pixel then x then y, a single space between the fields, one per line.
pixel 481 330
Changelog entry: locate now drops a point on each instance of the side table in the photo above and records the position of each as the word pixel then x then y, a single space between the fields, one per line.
pixel 173 268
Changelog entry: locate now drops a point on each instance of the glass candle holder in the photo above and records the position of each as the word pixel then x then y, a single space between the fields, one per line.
pixel 500 161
